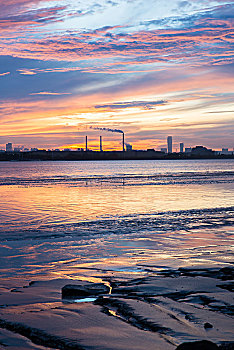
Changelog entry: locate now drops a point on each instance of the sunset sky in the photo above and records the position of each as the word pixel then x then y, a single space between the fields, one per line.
pixel 151 68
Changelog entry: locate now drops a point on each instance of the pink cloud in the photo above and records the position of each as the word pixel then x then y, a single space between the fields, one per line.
pixel 39 17
pixel 3 74
pixel 50 93
pixel 11 6
pixel 201 45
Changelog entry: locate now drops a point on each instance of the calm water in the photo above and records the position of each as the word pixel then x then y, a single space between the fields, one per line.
pixel 42 195
pixel 61 206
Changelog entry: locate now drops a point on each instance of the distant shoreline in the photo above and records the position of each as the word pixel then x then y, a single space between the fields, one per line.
pixel 105 155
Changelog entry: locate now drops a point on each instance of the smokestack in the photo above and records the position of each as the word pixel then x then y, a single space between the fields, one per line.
pixel 100 144
pixel 86 143
pixel 111 130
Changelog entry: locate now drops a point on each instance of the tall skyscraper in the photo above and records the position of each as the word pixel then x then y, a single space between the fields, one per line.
pixel 169 144
pixel 181 147
pixel 9 147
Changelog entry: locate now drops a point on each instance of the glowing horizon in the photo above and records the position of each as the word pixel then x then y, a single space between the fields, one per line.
pixel 151 69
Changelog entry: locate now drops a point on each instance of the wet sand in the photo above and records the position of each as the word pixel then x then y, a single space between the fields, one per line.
pixel 135 299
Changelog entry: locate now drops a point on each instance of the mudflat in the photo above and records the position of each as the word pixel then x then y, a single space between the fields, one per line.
pixel 158 311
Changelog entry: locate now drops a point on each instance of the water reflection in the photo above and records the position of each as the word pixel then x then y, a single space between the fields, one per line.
pixel 125 255
pixel 110 168
pixel 68 228
pixel 37 206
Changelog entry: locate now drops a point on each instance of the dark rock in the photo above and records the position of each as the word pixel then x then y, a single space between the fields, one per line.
pixel 228 286
pixel 227 273
pixel 32 283
pixel 40 337
pixel 15 291
pixel 207 325
pixel 92 289
pixel 198 345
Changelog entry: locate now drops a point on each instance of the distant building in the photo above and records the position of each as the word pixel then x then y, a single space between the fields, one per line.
pixel 169 144
pixel 164 149
pixel 19 149
pixel 128 147
pixel 34 149
pixel 224 151
pixel 181 147
pixel 188 150
pixel 202 151
pixel 9 147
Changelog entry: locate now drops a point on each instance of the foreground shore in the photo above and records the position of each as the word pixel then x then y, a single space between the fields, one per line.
pixel 135 291
pixel 116 255
pixel 158 311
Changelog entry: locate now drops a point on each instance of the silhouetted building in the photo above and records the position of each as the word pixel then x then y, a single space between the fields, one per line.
pixel 188 150
pixel 169 144
pixel 128 147
pixel 202 151
pixel 9 147
pixel 164 149
pixel 19 148
pixel 225 151
pixel 181 147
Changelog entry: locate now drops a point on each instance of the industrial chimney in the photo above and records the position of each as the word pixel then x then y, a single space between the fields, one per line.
pixel 123 142
pixel 100 144
pixel 86 143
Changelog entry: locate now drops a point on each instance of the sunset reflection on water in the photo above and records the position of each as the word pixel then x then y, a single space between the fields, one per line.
pixel 125 256
pixel 144 214
pixel 27 207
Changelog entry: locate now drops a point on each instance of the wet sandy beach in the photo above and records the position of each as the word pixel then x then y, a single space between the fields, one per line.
pixel 138 256
pixel 135 297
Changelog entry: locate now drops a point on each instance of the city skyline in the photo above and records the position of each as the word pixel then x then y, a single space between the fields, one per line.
pixel 151 68
pixel 172 147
